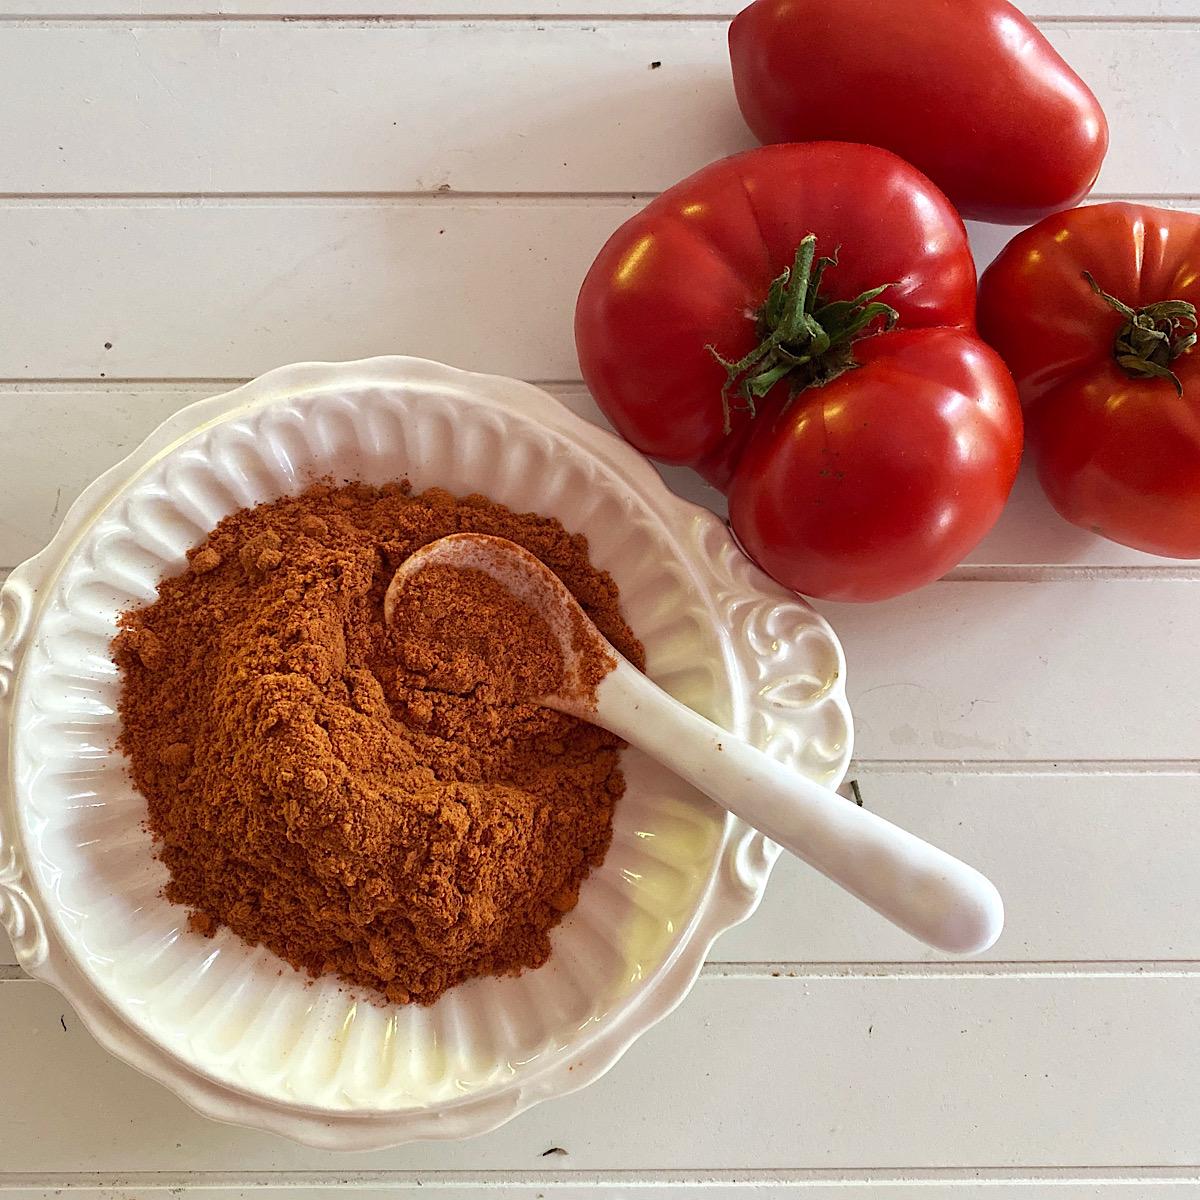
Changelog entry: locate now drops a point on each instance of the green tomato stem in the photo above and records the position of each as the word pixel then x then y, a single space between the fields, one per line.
pixel 1152 337
pixel 802 338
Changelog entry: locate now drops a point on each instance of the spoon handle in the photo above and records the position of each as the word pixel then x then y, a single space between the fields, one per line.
pixel 918 887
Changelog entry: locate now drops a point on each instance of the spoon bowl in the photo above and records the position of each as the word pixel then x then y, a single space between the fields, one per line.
pixel 529 581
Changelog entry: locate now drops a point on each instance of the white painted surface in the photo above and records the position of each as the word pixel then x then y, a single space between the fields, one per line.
pixel 1135 1185
pixel 1078 671
pixel 1092 867
pixel 231 286
pixel 487 106
pixel 752 1073
pixel 1038 714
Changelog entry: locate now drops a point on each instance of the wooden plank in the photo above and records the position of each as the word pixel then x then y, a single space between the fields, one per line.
pixel 1025 671
pixel 1054 10
pixel 202 289
pixel 483 106
pixel 833 1073
pixel 1028 832
pixel 67 439
pixel 978 1186
pixel 229 290
pixel 1040 837
pixel 493 106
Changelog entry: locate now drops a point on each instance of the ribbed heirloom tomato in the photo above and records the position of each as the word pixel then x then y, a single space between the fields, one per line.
pixel 968 91
pixel 797 323
pixel 1095 312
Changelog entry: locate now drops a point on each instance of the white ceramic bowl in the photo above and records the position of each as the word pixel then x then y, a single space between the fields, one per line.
pixel 214 1019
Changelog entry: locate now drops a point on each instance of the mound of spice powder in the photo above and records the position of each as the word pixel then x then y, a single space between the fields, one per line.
pixel 366 800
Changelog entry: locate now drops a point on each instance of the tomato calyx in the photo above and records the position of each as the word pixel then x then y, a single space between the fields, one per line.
pixel 804 338
pixel 1152 337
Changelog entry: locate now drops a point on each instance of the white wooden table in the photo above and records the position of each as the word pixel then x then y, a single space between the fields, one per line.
pixel 188 198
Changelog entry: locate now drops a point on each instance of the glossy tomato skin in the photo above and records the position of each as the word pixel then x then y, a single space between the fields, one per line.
pixel 884 479
pixel 928 430
pixel 1116 455
pixel 968 91
pixel 693 267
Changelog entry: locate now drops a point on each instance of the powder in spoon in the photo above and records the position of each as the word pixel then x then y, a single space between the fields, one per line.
pixel 463 630
pixel 507 651
pixel 367 801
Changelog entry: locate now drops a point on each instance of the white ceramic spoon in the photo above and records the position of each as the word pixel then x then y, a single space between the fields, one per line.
pixel 923 890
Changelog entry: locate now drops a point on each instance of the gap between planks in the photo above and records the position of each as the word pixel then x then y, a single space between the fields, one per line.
pixel 352 199
pixel 1094 969
pixel 800 972
pixel 1003 767
pixel 1036 573
pixel 640 1179
pixel 1046 574
pixel 1072 573
pixel 368 17
pixel 361 199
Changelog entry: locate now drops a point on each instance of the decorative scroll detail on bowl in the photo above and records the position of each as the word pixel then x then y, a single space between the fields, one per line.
pixel 788 656
pixel 18 913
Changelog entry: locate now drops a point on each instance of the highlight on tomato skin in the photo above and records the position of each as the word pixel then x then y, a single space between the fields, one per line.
pixel 796 323
pixel 969 91
pixel 1095 312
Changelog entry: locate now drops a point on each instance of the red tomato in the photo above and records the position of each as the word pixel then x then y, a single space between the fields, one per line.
pixel 967 90
pixel 1112 397
pixel 859 463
